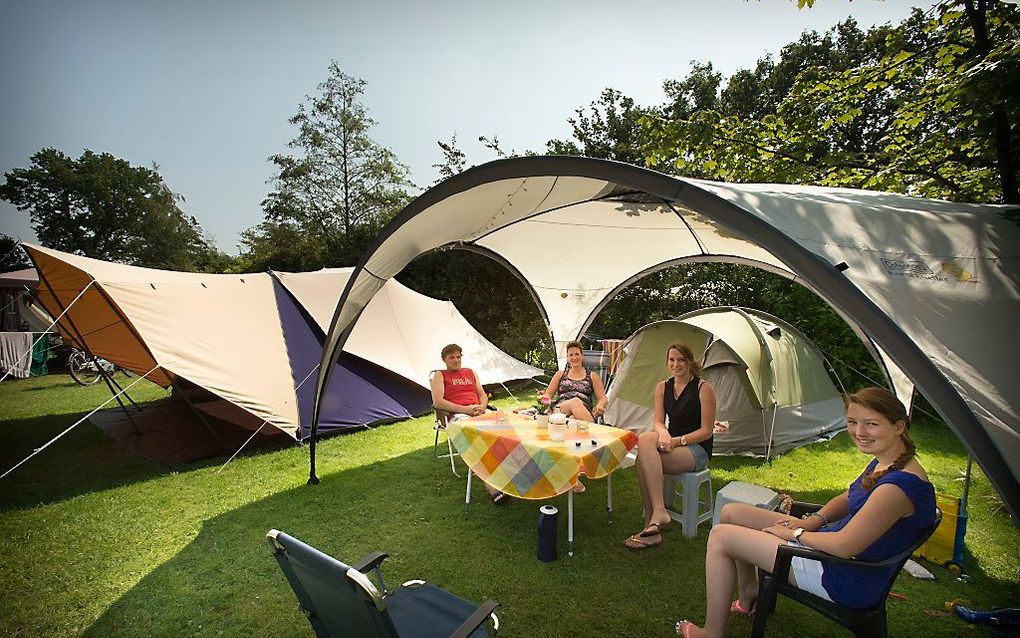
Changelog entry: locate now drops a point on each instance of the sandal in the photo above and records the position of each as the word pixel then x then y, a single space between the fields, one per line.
pixel 684 628
pixel 654 529
pixel 737 609
pixel 637 543
pixel 499 497
pixel 579 488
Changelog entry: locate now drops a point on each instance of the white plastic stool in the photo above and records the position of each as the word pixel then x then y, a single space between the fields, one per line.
pixel 691 515
pixel 739 492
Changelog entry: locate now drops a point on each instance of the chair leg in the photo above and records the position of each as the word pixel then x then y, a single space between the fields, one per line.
pixel 766 605
pixel 453 467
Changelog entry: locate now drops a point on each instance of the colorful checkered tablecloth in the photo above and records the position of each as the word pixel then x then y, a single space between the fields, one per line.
pixel 518 458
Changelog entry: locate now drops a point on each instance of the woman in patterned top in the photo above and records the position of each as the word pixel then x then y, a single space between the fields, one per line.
pixel 579 393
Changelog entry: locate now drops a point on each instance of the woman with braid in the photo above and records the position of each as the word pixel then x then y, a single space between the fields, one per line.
pixel 885 510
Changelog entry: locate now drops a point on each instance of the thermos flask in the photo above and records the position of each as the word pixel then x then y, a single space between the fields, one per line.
pixel 547 515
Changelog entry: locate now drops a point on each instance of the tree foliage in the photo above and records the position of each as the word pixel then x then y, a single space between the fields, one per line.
pixel 338 187
pixel 12 257
pixel 103 207
pixel 608 129
pixel 928 108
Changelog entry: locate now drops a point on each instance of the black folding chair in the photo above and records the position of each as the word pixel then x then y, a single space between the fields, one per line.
pixel 870 622
pixel 342 601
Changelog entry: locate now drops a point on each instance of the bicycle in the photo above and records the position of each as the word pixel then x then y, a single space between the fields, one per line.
pixel 86 370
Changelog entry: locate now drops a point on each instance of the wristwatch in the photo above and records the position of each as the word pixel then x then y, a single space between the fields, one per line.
pixel 797 532
pixel 683 440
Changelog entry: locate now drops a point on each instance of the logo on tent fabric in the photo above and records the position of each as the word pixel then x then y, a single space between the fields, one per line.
pixel 911 270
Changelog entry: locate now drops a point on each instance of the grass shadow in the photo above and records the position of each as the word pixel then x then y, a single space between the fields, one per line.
pixel 411 506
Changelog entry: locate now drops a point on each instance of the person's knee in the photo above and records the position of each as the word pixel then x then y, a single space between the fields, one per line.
pixel 728 512
pixel 646 439
pixel 719 537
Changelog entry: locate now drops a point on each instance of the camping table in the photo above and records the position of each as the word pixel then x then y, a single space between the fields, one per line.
pixel 512 454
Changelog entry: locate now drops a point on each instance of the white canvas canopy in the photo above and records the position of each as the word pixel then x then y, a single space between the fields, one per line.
pixel 404 331
pixel 770 382
pixel 235 336
pixel 933 287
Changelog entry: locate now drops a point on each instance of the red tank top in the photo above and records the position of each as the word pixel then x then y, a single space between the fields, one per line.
pixel 459 386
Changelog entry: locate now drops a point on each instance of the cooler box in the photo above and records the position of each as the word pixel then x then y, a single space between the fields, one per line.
pixel 740 492
pixel 945 547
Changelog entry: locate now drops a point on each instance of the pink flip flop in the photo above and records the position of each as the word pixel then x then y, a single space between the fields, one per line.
pixel 736 608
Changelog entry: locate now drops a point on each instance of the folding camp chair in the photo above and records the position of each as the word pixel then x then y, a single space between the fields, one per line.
pixel 341 601
pixel 442 418
pixel 862 622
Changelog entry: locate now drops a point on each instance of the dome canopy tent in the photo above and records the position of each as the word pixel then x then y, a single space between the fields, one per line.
pixel 770 381
pixel 931 285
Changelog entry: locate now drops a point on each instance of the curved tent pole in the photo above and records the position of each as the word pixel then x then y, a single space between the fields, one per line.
pixel 827 279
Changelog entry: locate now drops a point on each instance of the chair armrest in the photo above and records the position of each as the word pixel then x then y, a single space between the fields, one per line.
pixel 800 508
pixel 475 620
pixel 371 561
pixel 787 552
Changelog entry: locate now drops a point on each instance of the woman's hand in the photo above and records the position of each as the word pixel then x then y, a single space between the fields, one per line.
pixel 782 530
pixel 598 411
pixel 665 443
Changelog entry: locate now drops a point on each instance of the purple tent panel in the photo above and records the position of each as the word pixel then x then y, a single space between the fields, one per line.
pixel 359 391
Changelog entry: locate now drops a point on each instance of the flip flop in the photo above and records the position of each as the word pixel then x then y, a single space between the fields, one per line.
pixel 579 488
pixel 684 628
pixel 636 543
pixel 658 529
pixel 736 608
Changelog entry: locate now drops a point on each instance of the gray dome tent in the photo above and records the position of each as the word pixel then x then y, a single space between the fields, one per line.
pixel 770 380
pixel 931 287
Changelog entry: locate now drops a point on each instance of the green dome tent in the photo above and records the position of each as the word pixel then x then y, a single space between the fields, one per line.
pixel 770 380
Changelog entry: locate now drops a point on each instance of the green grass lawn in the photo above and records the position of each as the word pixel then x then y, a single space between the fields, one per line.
pixel 98 543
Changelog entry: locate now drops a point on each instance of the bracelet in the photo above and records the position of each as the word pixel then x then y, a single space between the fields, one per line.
pixel 825 519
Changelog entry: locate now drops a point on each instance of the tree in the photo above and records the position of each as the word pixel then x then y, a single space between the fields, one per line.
pixel 609 129
pixel 454 160
pixel 928 108
pixel 12 257
pixel 103 207
pixel 341 186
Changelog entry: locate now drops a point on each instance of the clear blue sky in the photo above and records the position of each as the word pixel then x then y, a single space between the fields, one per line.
pixel 204 89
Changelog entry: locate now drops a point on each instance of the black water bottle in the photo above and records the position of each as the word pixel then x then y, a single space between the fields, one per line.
pixel 547 515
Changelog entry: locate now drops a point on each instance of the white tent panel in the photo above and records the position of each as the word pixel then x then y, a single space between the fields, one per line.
pixel 404 331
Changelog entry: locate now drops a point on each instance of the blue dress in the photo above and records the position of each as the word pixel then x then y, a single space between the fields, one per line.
pixel 860 589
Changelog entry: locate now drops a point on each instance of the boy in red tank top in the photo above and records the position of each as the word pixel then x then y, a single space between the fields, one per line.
pixel 458 391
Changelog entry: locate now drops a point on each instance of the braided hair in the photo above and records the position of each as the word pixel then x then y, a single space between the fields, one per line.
pixel 885 403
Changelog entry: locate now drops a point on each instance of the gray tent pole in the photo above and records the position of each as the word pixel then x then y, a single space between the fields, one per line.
pixel 296 388
pixel 201 418
pixel 966 485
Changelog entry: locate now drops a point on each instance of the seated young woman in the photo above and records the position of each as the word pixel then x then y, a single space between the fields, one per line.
pixel 882 513
pixel 579 394
pixel 680 439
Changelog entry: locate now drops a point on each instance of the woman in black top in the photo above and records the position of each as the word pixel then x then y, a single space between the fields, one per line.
pixel 687 404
